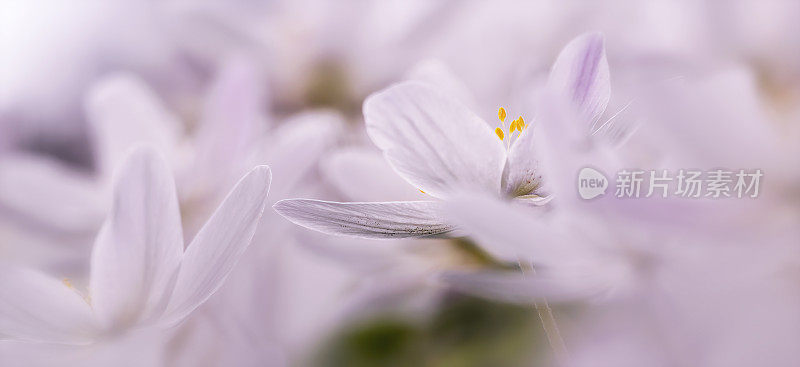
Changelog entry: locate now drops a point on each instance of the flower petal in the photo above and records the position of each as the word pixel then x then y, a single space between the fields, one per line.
pixel 138 250
pixel 123 112
pixel 580 74
pixel 218 245
pixel 229 128
pixel 399 219
pixel 522 174
pixel 56 198
pixel 35 307
pixel 509 232
pixel 433 141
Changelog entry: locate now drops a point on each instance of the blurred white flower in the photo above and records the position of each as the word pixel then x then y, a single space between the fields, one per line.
pixel 439 146
pixel 65 206
pixel 141 275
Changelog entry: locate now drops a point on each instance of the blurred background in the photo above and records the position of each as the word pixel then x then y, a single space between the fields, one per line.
pixel 221 86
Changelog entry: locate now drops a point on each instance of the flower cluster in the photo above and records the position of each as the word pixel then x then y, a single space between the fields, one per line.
pixel 399 183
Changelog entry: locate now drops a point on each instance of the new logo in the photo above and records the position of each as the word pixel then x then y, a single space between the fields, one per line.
pixel 591 183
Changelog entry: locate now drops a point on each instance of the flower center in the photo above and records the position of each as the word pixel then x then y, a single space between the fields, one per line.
pixel 516 126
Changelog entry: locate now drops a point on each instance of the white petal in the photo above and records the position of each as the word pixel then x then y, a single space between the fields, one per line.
pixel 434 141
pixel 509 232
pixel 50 195
pixel 138 250
pixel 35 307
pixel 580 73
pixel 514 287
pixel 397 219
pixel 522 174
pixel 230 124
pixel 362 175
pixel 534 200
pixel 217 247
pixel 125 112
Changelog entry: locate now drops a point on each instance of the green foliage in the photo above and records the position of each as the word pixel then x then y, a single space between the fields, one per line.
pixel 462 332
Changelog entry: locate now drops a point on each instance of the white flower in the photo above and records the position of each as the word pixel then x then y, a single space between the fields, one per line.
pixel 65 206
pixel 441 147
pixel 141 275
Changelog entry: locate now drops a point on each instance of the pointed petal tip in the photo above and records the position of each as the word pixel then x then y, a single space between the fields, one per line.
pixel 140 155
pixel 262 172
pixel 374 220
pixel 219 244
pixel 287 207
pixel 589 37
pixel 260 176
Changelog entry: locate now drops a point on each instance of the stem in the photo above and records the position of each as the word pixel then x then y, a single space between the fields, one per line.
pixel 549 323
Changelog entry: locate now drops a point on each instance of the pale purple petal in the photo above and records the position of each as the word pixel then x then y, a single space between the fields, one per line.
pixel 34 307
pixel 216 249
pixel 138 250
pixel 522 174
pixel 399 219
pixel 55 197
pixel 124 112
pixel 581 75
pixel 433 141
pixel 230 126
pixel 508 231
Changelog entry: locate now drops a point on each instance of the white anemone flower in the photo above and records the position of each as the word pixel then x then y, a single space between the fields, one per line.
pixel 441 147
pixel 141 276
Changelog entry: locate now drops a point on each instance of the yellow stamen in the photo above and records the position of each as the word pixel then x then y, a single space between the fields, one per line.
pixel 421 191
pixel 513 127
pixel 499 133
pixel 521 124
pixel 67 283
pixel 501 114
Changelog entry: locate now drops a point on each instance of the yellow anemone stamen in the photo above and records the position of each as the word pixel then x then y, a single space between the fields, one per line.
pixel 516 125
pixel 499 133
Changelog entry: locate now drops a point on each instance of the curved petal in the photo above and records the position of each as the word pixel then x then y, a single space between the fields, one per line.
pixel 35 307
pixel 138 250
pixel 433 141
pixel 580 73
pixel 217 247
pixel 522 174
pixel 399 219
pixel 123 112
pixel 509 231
